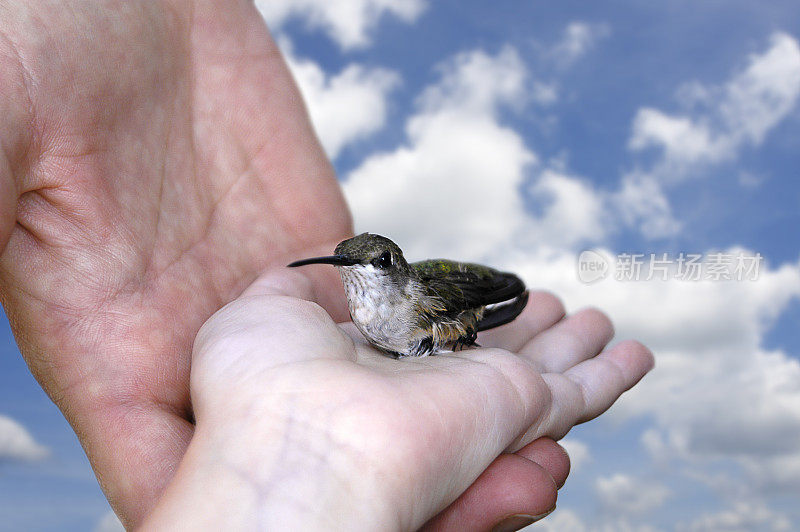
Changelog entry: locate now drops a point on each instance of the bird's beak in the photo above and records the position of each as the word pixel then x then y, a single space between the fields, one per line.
pixel 336 260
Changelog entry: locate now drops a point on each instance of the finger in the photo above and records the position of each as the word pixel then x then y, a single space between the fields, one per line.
pixel 604 378
pixel 281 281
pixel 364 350
pixel 569 342
pixel 590 388
pixel 326 285
pixel 551 456
pixel 265 317
pixel 513 490
pixel 352 331
pixel 542 311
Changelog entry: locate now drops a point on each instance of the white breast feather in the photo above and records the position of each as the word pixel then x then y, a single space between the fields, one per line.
pixel 381 321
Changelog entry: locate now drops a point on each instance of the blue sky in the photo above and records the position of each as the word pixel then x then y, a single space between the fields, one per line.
pixel 543 129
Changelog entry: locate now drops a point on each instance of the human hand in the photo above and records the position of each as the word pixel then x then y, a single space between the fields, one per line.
pixel 303 425
pixel 154 157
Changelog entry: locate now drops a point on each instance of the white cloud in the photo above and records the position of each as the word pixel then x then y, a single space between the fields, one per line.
pixel 775 472
pixel 543 93
pixel 759 98
pixel 477 83
pixel 565 520
pixel 715 392
pixel 578 38
pixel 16 443
pixel 345 107
pixel 455 188
pixel 458 179
pixel 740 112
pixel 578 453
pixel 109 523
pixel 742 517
pixel 721 121
pixel 680 137
pixel 562 520
pixel 623 495
pixel 348 22
pixel 574 211
pixel 641 202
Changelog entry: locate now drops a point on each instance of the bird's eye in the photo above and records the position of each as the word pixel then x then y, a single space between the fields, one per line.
pixel 384 261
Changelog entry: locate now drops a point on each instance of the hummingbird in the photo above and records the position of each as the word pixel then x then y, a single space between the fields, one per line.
pixel 421 308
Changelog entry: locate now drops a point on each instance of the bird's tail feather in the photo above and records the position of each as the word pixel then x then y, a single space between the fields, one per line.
pixel 502 313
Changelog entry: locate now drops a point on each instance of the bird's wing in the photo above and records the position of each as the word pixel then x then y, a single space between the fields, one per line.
pixel 467 285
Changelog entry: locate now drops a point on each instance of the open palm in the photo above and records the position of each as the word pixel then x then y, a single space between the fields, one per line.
pixel 284 395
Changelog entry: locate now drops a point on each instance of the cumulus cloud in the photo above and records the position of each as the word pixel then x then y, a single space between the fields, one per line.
pixel 574 212
pixel 719 122
pixel 457 187
pixel 350 105
pixel 552 60
pixel 344 107
pixel 742 517
pixel 562 520
pixel 566 520
pixel 16 443
pixel 454 187
pixel 347 22
pixel 757 99
pixel 641 202
pixel 716 393
pixel 477 83
pixel 741 112
pixel 578 38
pixel 681 138
pixel 578 452
pixel 623 495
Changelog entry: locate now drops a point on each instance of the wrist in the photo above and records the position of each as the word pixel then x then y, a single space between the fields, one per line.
pixel 265 475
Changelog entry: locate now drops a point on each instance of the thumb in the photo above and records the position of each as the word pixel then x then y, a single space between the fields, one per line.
pixel 324 284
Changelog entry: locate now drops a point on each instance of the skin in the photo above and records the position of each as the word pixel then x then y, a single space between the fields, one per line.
pixel 155 158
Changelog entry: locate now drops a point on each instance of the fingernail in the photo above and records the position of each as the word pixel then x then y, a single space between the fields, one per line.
pixel 515 522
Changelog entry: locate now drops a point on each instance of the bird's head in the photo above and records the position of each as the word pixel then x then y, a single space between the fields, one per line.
pixel 367 256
